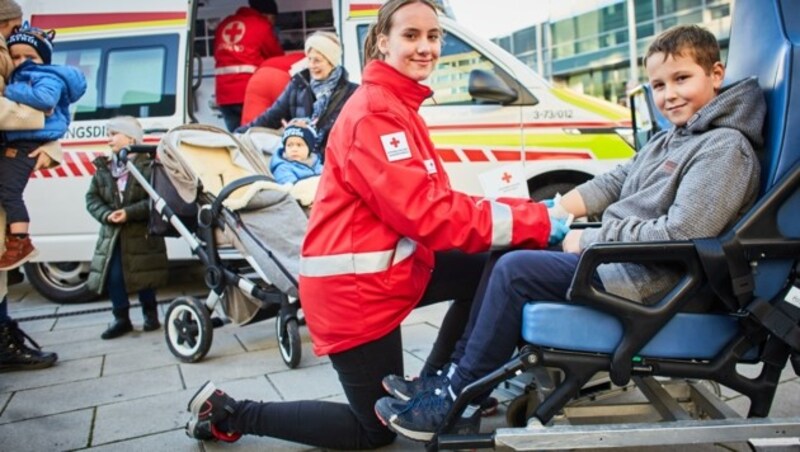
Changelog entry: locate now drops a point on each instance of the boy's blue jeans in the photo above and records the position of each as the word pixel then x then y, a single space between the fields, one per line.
pixel 495 326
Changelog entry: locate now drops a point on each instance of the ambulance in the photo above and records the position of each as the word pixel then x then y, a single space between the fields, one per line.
pixel 152 59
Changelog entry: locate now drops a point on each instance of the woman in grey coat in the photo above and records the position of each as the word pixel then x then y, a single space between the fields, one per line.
pixel 126 258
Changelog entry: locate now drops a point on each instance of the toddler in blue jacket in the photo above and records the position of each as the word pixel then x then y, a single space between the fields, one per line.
pixel 295 160
pixel 46 87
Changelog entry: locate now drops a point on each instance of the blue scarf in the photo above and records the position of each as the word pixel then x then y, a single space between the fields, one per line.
pixel 322 91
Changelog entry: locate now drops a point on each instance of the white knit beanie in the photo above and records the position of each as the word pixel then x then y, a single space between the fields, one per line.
pixel 9 9
pixel 126 125
pixel 327 44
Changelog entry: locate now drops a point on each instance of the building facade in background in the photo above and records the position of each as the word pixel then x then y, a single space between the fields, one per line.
pixel 588 51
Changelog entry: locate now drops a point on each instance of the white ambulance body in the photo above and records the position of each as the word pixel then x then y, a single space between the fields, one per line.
pixel 151 59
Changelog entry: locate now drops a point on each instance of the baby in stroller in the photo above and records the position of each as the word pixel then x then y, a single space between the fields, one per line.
pixel 292 160
pixel 248 236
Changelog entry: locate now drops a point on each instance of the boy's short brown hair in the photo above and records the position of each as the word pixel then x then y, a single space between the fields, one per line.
pixel 683 40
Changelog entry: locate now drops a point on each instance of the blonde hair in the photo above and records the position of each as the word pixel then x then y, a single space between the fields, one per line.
pixel 383 25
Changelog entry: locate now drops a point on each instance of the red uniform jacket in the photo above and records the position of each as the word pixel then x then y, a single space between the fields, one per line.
pixel 383 206
pixel 242 41
pixel 267 84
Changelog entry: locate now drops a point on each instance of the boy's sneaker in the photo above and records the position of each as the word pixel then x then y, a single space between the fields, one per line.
pixel 205 431
pixel 18 251
pixel 405 389
pixel 420 417
pixel 211 404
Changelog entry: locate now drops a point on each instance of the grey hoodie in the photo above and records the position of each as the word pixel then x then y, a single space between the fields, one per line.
pixel 688 182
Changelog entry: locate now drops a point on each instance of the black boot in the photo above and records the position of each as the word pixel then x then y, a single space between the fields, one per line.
pixel 15 355
pixel 15 276
pixel 150 314
pixel 121 325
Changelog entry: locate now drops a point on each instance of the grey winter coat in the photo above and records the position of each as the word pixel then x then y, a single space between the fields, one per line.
pixel 144 257
pixel 688 182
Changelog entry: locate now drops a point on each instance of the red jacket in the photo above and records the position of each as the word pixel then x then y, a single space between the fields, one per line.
pixel 242 41
pixel 383 206
pixel 267 84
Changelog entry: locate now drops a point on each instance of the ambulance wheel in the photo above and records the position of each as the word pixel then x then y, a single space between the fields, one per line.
pixel 188 329
pixel 289 341
pixel 62 282
pixel 521 409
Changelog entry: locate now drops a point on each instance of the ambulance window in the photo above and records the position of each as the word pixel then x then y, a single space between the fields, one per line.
pixel 450 80
pixel 125 76
pixel 88 62
pixel 128 87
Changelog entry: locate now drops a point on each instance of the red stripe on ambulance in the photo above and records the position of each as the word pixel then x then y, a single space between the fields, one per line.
pixel 86 20
pixel 75 164
pixel 448 155
pixel 475 155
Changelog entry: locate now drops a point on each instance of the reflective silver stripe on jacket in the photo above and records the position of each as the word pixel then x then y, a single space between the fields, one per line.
pixel 502 223
pixel 356 263
pixel 237 69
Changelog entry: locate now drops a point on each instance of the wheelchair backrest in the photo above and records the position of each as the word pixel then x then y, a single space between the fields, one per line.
pixel 765 42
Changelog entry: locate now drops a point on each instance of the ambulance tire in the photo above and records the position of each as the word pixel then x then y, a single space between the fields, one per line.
pixel 549 191
pixel 62 282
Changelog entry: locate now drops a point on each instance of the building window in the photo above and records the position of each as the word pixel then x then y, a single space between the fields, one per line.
pixel 525 40
pixel 665 7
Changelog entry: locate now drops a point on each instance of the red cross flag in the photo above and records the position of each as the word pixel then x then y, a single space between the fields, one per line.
pixel 506 181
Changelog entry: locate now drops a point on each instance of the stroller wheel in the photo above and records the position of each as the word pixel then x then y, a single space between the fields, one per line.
pixel 289 341
pixel 188 329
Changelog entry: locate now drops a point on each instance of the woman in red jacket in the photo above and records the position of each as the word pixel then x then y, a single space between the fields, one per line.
pixel 379 243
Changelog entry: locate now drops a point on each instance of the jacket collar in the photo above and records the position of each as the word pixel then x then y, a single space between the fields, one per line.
pixel 408 91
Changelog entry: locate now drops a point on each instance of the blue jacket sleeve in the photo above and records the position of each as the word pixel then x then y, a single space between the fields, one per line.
pixel 40 91
pixel 283 174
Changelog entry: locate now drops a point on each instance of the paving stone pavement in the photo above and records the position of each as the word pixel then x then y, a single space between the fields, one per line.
pixel 130 394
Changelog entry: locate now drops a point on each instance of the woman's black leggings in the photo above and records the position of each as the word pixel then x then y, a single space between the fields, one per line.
pixel 354 425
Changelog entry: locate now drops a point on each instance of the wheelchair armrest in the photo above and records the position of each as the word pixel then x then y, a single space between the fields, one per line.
pixel 640 322
pixel 585 225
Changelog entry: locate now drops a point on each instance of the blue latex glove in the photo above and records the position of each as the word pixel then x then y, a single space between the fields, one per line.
pixel 558 230
pixel 549 203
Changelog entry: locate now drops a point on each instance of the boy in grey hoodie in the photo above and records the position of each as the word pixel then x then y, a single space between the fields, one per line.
pixel 691 181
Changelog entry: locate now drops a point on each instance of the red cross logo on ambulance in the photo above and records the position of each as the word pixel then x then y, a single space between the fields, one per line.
pixel 232 35
pixel 395 145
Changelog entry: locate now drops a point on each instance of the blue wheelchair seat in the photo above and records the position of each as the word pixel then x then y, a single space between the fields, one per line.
pixel 581 329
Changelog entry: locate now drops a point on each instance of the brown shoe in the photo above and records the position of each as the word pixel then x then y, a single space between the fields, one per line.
pixel 18 251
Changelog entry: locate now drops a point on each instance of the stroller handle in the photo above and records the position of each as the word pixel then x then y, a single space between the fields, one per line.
pixel 137 149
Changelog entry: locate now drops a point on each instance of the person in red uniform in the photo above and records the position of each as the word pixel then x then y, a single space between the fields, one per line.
pixel 242 41
pixel 267 84
pixel 387 234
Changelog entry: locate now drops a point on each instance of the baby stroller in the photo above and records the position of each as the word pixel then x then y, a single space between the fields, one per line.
pixel 215 193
